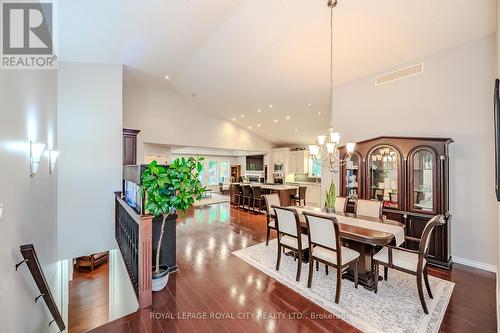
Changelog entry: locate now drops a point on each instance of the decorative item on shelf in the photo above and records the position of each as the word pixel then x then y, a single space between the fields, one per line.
pixel 36 150
pixel 166 191
pixel 324 151
pixel 331 196
pixel 53 155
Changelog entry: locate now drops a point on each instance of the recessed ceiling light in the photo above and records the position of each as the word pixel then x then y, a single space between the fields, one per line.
pixel 234 119
pixel 249 127
pixel 259 110
pixel 275 120
pixel 309 104
pixel 270 106
pixel 296 130
pixel 258 125
pixel 287 117
pixel 242 116
pixel 167 77
pixel 319 113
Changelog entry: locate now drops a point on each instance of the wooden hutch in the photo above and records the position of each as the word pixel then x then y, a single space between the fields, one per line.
pixel 410 175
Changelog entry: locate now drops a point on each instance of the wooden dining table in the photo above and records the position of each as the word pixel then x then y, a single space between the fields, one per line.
pixel 363 234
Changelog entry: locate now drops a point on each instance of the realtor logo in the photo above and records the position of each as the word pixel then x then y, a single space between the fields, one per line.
pixel 27 30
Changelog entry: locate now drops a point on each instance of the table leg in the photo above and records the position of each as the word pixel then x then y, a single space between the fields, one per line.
pixel 366 276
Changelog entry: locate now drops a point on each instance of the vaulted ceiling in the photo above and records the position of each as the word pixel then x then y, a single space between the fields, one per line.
pixel 235 57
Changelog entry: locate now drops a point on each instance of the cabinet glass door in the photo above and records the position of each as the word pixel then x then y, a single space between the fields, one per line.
pixel 384 173
pixel 352 173
pixel 423 181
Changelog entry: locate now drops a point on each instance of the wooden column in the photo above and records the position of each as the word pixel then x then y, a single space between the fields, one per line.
pixel 145 296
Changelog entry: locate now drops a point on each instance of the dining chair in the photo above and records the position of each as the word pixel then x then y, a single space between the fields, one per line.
pixel 290 235
pixel 300 197
pixel 369 208
pixel 325 247
pixel 247 196
pixel 272 199
pixel 341 204
pixel 410 261
pixel 257 199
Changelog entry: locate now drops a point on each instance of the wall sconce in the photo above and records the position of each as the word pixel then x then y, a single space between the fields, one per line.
pixel 36 150
pixel 53 154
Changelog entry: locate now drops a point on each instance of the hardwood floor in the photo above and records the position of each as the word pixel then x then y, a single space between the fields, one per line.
pixel 88 299
pixel 212 281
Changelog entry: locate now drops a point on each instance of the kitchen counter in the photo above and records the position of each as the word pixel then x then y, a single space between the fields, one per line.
pixel 303 183
pixel 284 191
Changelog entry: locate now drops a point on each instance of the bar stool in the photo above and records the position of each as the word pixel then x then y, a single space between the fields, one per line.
pixel 247 197
pixel 235 199
pixel 301 197
pixel 258 199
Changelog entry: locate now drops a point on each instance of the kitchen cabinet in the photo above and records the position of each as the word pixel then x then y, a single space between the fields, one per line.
pixel 298 162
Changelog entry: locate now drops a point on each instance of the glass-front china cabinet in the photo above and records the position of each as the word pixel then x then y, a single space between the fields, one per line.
pixel 410 176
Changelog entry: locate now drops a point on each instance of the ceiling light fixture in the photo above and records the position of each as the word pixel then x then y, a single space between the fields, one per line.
pixel 249 127
pixel 234 119
pixel 287 117
pixel 270 106
pixel 258 125
pixel 242 116
pixel 275 120
pixel 167 77
pixel 259 110
pixel 324 151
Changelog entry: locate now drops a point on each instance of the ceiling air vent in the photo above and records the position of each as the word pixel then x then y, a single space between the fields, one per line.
pixel 399 74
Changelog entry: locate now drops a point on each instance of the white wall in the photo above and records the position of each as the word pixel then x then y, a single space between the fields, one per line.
pixel 452 98
pixel 498 245
pixel 90 161
pixel 28 111
pixel 166 117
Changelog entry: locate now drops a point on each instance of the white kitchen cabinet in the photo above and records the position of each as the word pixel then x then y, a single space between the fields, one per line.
pixel 298 162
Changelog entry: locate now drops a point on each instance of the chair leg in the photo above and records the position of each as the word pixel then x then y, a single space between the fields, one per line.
pixel 386 270
pixel 339 282
pixel 421 292
pixel 311 269
pixel 299 265
pixel 376 277
pixel 279 257
pixel 326 269
pixel 356 271
pixel 267 236
pixel 426 280
pixel 317 265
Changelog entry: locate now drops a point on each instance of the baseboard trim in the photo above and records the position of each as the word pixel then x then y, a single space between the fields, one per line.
pixel 475 264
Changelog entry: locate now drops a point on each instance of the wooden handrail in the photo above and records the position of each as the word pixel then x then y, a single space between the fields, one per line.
pixel 31 260
pixel 140 272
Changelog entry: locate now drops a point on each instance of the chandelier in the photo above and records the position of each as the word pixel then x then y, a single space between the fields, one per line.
pixel 324 151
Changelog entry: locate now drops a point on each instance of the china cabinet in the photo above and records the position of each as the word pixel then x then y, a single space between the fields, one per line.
pixel 410 176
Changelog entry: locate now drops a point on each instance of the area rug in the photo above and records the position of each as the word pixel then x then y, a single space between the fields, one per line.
pixel 395 308
pixel 214 199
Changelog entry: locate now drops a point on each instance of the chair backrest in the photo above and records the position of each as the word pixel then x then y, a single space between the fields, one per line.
pixel 302 192
pixel 256 191
pixel 324 231
pixel 426 234
pixel 287 221
pixel 341 204
pixel 272 199
pixel 369 208
pixel 247 190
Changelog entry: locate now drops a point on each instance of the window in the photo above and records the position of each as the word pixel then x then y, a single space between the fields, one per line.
pixel 213 168
pixel 224 171
pixel 202 175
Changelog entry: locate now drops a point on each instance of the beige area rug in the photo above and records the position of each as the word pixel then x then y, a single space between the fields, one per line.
pixel 395 308
pixel 214 199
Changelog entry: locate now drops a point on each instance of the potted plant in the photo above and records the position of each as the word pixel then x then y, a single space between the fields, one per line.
pixel 168 190
pixel 331 196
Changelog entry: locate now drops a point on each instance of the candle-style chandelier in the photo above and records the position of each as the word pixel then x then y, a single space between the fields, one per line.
pixel 324 151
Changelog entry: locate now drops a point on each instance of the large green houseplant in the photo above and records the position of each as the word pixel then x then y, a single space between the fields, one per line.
pixel 168 190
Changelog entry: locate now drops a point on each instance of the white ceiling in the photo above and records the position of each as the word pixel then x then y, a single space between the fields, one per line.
pixel 213 151
pixel 237 56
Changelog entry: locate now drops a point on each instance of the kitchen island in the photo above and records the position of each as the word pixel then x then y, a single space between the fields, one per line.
pixel 283 191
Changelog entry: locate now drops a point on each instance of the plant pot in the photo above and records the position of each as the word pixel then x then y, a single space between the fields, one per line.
pixel 160 280
pixel 330 210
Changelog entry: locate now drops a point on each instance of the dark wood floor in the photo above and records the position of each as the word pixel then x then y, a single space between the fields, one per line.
pixel 88 306
pixel 211 280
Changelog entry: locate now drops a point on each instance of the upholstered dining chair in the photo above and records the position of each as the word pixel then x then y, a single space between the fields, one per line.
pixel 369 208
pixel 290 235
pixel 410 261
pixel 272 199
pixel 325 247
pixel 341 204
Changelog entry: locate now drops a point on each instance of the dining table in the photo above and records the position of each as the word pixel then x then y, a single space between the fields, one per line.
pixel 364 234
